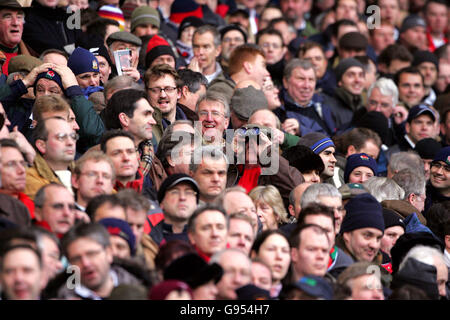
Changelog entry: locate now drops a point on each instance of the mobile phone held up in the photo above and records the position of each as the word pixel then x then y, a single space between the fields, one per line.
pixel 122 58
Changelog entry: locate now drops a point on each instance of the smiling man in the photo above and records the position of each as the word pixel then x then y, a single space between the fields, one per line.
pixel 439 188
pixel 419 125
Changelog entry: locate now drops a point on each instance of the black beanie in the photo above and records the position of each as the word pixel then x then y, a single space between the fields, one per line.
pixel 304 159
pixel 363 211
pixel 427 148
pixel 392 219
pixel 421 56
pixel 377 122
pixel 344 65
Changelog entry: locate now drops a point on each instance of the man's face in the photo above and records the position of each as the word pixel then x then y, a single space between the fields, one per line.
pixel 410 89
pixel 105 69
pixel 240 235
pixel 210 234
pixel 59 146
pixel 13 170
pixel 11 27
pixel 119 45
pixel 370 148
pixel 272 46
pixel 96 178
pixel 205 50
pixel 51 257
pixel 230 41
pixel 441 276
pixel 136 219
pixel 187 34
pixel 363 243
pixel 122 152
pixel 329 161
pixel 263 118
pixel 45 87
pixel 443 79
pixel 347 9
pixel 429 72
pixel 58 209
pixel 240 202
pixel 367 287
pixel 288 34
pixel 339 212
pixel 258 70
pixel 268 15
pixel 273 100
pixel 21 276
pixel 261 276
pixel 390 237
pixel 293 9
pixel 360 175
pixel 164 101
pixel 147 29
pixel 212 116
pixel 211 177
pixel 164 59
pixel 311 257
pixel 389 10
pixel 179 202
pixel 380 103
pixel 237 273
pixel 436 17
pixel 87 79
pixel 276 253
pixel 382 37
pixel 120 247
pixel 142 122
pixel 420 128
pixel 317 58
pixel 92 259
pixel 440 176
pixel 107 210
pixel 415 37
pixel 301 85
pixel 397 65
pixel 353 80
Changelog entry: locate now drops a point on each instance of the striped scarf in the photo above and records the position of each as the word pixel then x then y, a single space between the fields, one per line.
pixel 147 153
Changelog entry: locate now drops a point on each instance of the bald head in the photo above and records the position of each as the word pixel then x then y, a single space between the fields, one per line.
pixel 265 118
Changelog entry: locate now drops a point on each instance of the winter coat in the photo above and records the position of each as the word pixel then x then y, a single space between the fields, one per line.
pixel 343 105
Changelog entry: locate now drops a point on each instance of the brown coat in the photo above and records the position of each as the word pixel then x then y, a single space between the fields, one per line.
pixel 404 209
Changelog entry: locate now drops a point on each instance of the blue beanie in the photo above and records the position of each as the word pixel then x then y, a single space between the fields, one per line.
pixel 81 61
pixel 359 160
pixel 316 141
pixel 50 75
pixel 443 155
pixel 121 228
pixel 363 211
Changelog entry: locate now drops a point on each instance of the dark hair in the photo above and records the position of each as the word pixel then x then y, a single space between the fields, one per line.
pixel 40 197
pixel 130 198
pixel 10 143
pixel 315 209
pixel 94 231
pixel 159 71
pixel 111 134
pixel 168 142
pixel 356 137
pixel 269 31
pixel 262 237
pixel 193 80
pixel 343 22
pixel 10 248
pixel 170 250
pixel 98 26
pixel 427 4
pixel 438 219
pixel 395 52
pixel 208 207
pixel 408 292
pixel 295 237
pixel 121 101
pixel 410 70
pixel 304 159
pixel 308 45
pixel 100 200
pixel 21 233
pixel 53 50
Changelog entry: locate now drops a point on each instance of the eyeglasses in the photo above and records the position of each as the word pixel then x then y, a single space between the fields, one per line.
pixel 438 165
pixel 176 192
pixel 96 175
pixel 273 45
pixel 60 206
pixel 89 254
pixel 167 90
pixel 15 164
pixel 214 114
pixel 64 136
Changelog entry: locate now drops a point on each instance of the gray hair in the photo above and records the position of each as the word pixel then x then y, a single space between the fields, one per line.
pixel 210 152
pixel 406 160
pixel 214 96
pixel 383 188
pixel 424 254
pixel 208 28
pixel 410 182
pixel 294 64
pixel 387 87
pixel 40 197
pixel 316 190
pixel 93 231
pixel 11 76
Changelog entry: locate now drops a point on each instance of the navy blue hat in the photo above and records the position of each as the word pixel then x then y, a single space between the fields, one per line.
pixel 392 219
pixel 174 179
pixel 359 160
pixel 50 75
pixel 412 21
pixel 316 141
pixel 81 61
pixel 315 286
pixel 363 211
pixel 346 64
pixel 443 155
pixel 252 292
pixel 427 148
pixel 418 110
pixel 121 228
pixel 421 56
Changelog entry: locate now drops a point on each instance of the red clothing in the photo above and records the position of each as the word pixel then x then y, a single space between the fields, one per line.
pixel 9 53
pixel 26 200
pixel 135 184
pixel 431 45
pixel 249 179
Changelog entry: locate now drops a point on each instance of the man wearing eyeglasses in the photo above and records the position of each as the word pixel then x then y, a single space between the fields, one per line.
pixel 438 190
pixel 178 197
pixel 55 142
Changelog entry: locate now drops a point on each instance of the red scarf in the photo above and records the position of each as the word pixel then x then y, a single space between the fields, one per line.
pixel 27 202
pixel 249 178
pixel 135 184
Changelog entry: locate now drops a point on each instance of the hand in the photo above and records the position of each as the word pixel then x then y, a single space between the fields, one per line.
pixel 291 126
pixel 80 215
pixel 67 76
pixel 400 114
pixel 278 136
pixel 29 80
pixel 24 145
pixel 132 72
pixel 194 65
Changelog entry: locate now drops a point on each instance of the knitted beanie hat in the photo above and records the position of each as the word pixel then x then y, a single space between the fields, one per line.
pixel 113 13
pixel 363 211
pixel 316 141
pixel 359 160
pixel 81 61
